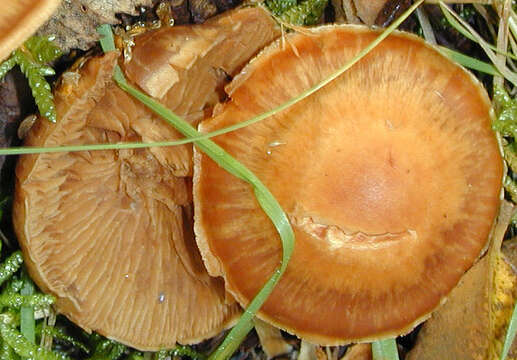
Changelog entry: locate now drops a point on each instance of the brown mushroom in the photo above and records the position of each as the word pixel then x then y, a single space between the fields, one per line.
pixel 109 233
pixel 390 176
pixel 20 19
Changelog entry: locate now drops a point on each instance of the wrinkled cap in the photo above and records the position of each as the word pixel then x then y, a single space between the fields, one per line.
pixel 390 176
pixel 109 233
pixel 19 19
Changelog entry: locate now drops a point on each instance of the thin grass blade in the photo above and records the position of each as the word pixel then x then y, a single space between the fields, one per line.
pixel 385 350
pixel 93 147
pixel 27 320
pixel 469 62
pixel 510 334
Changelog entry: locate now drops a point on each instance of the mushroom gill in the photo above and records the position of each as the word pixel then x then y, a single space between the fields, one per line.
pixel 109 233
pixel 20 19
pixel 390 176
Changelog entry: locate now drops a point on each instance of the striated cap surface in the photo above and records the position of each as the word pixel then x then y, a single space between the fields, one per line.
pixel 390 176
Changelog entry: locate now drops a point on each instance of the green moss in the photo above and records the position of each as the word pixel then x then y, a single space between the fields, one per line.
pixel 304 12
pixel 33 58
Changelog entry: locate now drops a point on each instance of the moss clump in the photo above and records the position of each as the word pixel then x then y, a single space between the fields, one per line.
pixel 304 12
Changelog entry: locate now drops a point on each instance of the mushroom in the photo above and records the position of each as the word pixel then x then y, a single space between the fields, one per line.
pixel 20 19
pixel 390 176
pixel 109 233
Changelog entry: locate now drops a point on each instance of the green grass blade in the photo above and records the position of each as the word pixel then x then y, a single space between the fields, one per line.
pixel 385 350
pixel 457 26
pixel 510 334
pixel 93 147
pixel 469 62
pixel 106 38
pixel 108 44
pixel 27 321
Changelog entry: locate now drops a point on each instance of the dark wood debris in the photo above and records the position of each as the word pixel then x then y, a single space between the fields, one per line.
pixel 392 10
pixel 15 103
pixel 74 24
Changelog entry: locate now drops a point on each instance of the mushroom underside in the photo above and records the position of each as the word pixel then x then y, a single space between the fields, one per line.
pixel 110 232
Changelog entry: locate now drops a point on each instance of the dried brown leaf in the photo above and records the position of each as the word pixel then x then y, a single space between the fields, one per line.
pixel 367 10
pixel 75 21
pixel 459 329
pixel 271 339
pixel 359 352
pixel 15 101
pixel 469 325
pixel 506 280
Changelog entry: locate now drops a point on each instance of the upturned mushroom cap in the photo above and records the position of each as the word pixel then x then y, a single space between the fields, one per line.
pixel 20 19
pixel 390 176
pixel 109 233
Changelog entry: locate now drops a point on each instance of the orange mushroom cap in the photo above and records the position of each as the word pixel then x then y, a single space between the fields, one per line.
pixel 390 176
pixel 109 233
pixel 20 19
